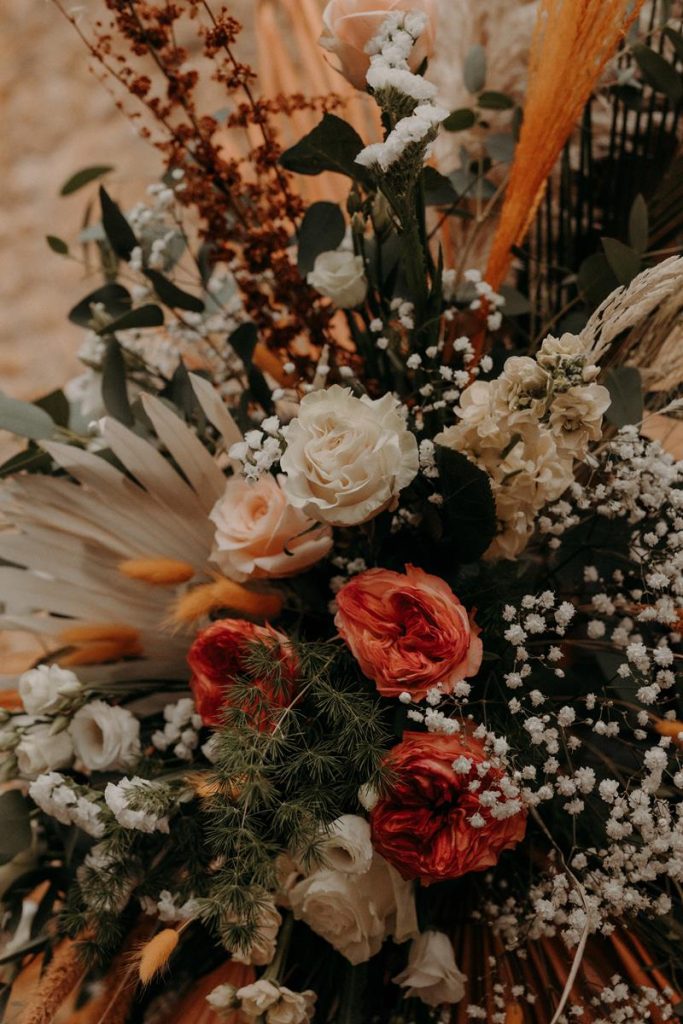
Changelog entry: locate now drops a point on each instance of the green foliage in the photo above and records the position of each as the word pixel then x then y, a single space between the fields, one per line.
pixel 114 386
pixel 120 235
pixel 333 145
pixel 57 245
pixel 460 120
pixel 322 230
pixel 15 835
pixel 143 316
pixel 468 502
pixel 115 299
pixel 173 296
pixel 474 71
pixel 84 177
pixel 626 392
pixel 24 419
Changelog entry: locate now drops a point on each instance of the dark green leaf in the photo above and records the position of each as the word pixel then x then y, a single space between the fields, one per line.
pixel 56 405
pixel 260 392
pixel 622 259
pixel 438 188
pixel 243 340
pixel 15 834
pixel 638 225
pixel 676 40
pixel 333 145
pixel 84 177
pixel 120 234
pixel 32 460
pixel 468 503
pixel 459 120
pixel 322 230
pixel 181 392
pixel 626 392
pixel 24 419
pixel 596 278
pixel 474 72
pixel 515 303
pixel 173 296
pixel 143 316
pixel 57 245
pixel 490 100
pixel 114 389
pixel 500 146
pixel 114 297
pixel 658 72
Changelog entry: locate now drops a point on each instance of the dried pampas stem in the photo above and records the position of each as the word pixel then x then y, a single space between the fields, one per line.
pixel 572 42
pixel 156 953
pixel 64 973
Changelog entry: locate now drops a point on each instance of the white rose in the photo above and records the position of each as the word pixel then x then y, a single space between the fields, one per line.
pixel 356 913
pixel 432 974
pixel 106 738
pixel 291 1007
pixel 341 277
pixel 257 997
pixel 347 458
pixel 39 752
pixel 259 534
pixel 347 846
pixel 43 689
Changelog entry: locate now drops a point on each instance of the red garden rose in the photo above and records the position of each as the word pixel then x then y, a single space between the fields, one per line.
pixel 432 826
pixel 408 631
pixel 217 658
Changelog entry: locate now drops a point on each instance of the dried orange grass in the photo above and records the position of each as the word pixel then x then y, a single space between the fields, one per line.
pixel 64 973
pixel 572 42
pixel 223 593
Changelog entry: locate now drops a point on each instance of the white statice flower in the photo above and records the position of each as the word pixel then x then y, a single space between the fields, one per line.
pixel 70 804
pixel 126 800
pixel 347 458
pixel 340 276
pixel 347 846
pixel 432 974
pixel 46 689
pixel 38 751
pixel 105 737
pixel 181 729
pixel 356 913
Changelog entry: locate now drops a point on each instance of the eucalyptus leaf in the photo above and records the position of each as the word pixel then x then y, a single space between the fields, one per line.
pixel 56 405
pixel 143 316
pixel 15 834
pixel 500 146
pixel 491 100
pixel 626 392
pixel 474 72
pixel 468 503
pixel 333 145
pixel 120 234
pixel 114 385
pixel 322 230
pixel 438 189
pixel 676 40
pixel 25 419
pixel 57 245
pixel 625 263
pixel 638 225
pixel 173 296
pixel 84 177
pixel 460 120
pixel 596 279
pixel 243 341
pixel 114 297
pixel 658 72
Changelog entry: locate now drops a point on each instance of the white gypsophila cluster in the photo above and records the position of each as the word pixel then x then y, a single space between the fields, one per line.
pixel 527 429
pixel 261 448
pixel 181 729
pixel 69 803
pixel 140 804
pixel 170 907
pixel 396 88
pixel 484 295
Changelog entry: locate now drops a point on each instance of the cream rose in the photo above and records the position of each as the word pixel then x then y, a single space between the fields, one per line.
pixel 356 913
pixel 347 458
pixel 349 25
pixel 347 846
pixel 256 998
pixel 106 737
pixel 40 752
pixel 340 276
pixel 279 1004
pixel 432 974
pixel 259 534
pixel 44 689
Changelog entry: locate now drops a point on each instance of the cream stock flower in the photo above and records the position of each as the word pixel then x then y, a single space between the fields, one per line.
pixel 340 276
pixel 40 752
pixel 259 534
pixel 432 974
pixel 347 458
pixel 349 25
pixel 43 689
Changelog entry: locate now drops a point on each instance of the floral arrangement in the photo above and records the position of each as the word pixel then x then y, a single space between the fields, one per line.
pixel 355 598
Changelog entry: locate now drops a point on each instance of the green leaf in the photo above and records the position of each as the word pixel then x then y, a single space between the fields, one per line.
pixel 322 230
pixel 25 420
pixel 333 145
pixel 515 302
pixel 658 72
pixel 468 503
pixel 114 386
pixel 622 259
pixel 474 72
pixel 15 834
pixel 143 316
pixel 626 392
pixel 120 234
pixel 676 40
pixel 596 278
pixel 57 245
pixel 500 146
pixel 491 100
pixel 173 296
pixel 32 460
pixel 439 190
pixel 459 120
pixel 114 297
pixel 243 340
pixel 638 225
pixel 84 177
pixel 56 405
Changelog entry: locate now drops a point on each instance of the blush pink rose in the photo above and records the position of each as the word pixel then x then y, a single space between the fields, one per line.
pixel 260 535
pixel 408 632
pixel 349 25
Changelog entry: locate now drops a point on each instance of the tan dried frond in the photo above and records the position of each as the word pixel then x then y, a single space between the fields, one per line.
pixel 64 973
pixel 156 953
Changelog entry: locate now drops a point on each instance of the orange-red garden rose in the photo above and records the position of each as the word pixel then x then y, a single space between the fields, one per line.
pixel 217 659
pixel 408 631
pixel 432 826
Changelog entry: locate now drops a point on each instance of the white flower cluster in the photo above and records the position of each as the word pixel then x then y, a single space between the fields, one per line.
pixel 170 907
pixel 261 448
pixel 397 88
pixel 181 729
pixel 527 428
pixel 265 1000
pixel 69 803
pixel 140 804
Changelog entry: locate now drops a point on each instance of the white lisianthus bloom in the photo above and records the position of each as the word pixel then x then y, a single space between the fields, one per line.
pixel 106 737
pixel 347 458
pixel 291 1007
pixel 40 752
pixel 340 276
pixel 43 689
pixel 356 913
pixel 432 974
pixel 256 998
pixel 347 845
